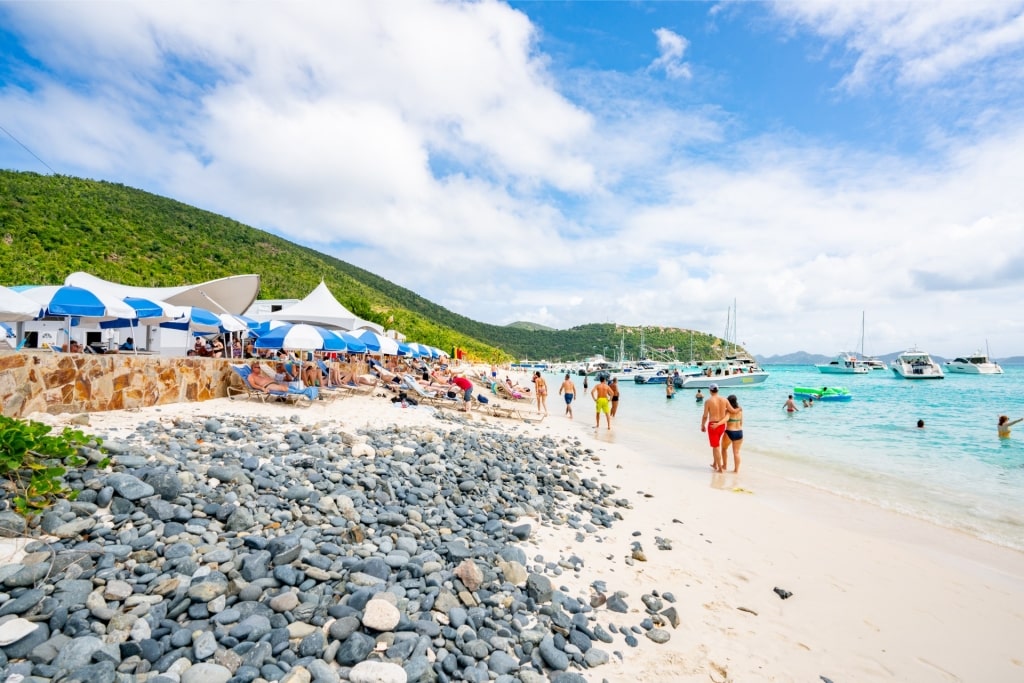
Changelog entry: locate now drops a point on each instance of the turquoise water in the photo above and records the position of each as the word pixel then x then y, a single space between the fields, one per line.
pixel 954 472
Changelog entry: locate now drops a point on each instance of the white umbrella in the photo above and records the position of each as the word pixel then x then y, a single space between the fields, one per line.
pixel 16 307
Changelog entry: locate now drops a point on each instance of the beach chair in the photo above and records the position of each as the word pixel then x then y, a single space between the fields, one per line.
pixel 310 394
pixel 431 398
pixel 504 392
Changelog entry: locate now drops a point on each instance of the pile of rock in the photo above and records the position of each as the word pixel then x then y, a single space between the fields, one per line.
pixel 244 549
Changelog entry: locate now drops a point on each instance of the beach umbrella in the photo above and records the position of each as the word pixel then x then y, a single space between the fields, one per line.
pixel 300 337
pixel 406 350
pixel 147 312
pixel 352 343
pixel 16 307
pixel 195 319
pixel 377 343
pixel 421 350
pixel 232 323
pixel 70 302
pixel 77 302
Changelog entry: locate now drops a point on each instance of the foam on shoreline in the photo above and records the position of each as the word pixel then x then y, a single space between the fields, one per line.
pixel 876 597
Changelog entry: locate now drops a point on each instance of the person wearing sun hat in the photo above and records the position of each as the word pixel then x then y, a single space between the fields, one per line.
pixel 713 422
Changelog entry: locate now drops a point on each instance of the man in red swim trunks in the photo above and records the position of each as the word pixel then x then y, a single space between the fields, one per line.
pixel 713 422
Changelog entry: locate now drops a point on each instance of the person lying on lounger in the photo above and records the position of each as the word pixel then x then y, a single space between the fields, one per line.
pixel 263 382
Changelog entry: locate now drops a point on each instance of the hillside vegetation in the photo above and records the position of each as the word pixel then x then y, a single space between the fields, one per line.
pixel 51 226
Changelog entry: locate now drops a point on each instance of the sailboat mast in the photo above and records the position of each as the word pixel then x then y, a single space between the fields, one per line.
pixel 862 334
pixel 735 315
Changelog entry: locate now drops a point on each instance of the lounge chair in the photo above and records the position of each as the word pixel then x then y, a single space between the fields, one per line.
pixel 505 393
pixel 433 398
pixel 511 413
pixel 348 389
pixel 292 395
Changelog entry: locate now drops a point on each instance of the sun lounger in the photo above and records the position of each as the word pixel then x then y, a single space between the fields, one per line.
pixel 511 413
pixel 422 395
pixel 505 393
pixel 310 394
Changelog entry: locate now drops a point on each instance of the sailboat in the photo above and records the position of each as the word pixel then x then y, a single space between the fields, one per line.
pixel 869 362
pixel 734 370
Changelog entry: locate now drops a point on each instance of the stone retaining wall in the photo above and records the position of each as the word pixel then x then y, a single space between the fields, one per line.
pixel 74 382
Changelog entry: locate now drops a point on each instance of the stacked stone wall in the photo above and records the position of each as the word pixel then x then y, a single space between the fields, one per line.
pixel 73 382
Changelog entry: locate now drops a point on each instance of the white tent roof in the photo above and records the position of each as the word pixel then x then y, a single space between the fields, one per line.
pixel 321 308
pixel 233 294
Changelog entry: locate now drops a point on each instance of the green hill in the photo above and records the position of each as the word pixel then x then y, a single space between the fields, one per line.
pixel 51 226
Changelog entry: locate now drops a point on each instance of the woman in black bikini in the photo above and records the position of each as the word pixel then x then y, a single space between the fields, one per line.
pixel 733 432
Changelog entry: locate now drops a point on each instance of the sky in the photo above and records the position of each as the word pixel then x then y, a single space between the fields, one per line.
pixel 816 162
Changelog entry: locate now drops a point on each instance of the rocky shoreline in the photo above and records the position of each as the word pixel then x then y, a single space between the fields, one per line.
pixel 242 548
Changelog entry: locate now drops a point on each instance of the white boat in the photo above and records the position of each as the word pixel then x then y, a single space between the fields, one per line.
pixel 843 364
pixel 733 371
pixel 916 364
pixel 872 363
pixel 977 364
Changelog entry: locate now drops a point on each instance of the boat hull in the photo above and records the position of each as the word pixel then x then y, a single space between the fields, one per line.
pixel 842 370
pixel 747 379
pixel 973 370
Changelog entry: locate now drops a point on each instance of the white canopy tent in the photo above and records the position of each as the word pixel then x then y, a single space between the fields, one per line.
pixel 321 308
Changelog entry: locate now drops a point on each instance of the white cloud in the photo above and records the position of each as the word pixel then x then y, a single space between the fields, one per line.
pixel 671 48
pixel 917 43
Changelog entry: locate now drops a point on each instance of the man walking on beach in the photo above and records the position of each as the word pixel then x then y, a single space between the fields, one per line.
pixel 713 422
pixel 568 391
pixel 602 394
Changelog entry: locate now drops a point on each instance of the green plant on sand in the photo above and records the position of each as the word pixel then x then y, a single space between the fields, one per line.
pixel 33 461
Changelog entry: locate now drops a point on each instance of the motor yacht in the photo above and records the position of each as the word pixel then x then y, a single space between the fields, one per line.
pixel 977 364
pixel 916 364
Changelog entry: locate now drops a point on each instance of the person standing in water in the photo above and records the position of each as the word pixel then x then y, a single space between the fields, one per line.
pixel 541 387
pixel 568 391
pixel 614 386
pixel 1004 425
pixel 713 422
pixel 670 387
pixel 789 405
pixel 733 433
pixel 602 394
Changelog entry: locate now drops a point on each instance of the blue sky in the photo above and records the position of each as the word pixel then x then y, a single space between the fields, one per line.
pixel 572 162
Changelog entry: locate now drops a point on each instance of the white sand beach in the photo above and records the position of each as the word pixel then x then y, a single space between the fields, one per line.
pixel 875 596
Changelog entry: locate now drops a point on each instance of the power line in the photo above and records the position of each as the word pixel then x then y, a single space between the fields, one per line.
pixel 25 147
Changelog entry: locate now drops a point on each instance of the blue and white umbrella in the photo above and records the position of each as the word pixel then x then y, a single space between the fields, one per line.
pixel 195 319
pixel 352 343
pixel 77 302
pixel 407 350
pixel 421 350
pixel 301 337
pixel 147 312
pixel 377 343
